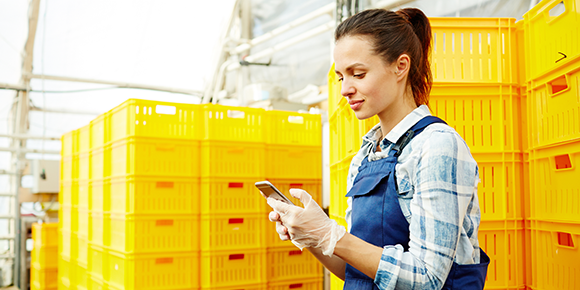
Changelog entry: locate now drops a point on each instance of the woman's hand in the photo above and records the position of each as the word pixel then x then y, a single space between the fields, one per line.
pixel 308 226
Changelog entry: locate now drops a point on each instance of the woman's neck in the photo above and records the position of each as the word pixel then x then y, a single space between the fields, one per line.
pixel 390 118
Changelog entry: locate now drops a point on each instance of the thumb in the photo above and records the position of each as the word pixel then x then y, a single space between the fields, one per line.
pixel 278 206
pixel 302 195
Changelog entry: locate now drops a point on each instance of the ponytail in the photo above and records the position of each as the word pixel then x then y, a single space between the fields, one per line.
pixel 406 31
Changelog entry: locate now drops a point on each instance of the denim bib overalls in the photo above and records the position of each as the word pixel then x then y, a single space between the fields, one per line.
pixel 377 217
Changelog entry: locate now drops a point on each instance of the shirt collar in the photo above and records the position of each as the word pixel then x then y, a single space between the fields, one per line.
pixel 401 128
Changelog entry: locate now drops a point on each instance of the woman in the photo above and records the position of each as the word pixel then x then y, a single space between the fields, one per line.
pixel 413 211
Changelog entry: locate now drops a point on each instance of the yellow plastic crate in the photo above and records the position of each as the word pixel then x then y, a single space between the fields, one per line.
pixel 291 128
pixel 554 106
pixel 554 188
pixel 260 286
pixel 100 195
pixel 154 271
pixel 239 124
pixel 293 162
pixel 68 144
pixel 99 133
pixel 500 192
pixel 232 159
pixel 45 235
pixel 84 139
pixel 44 257
pixel 69 168
pixel 80 221
pixel 551 41
pixel 69 193
pixel 231 195
pixel 98 262
pixel 80 280
pixel 338 175
pixel 335 282
pixel 142 118
pixel 100 162
pixel 232 268
pixel 64 272
pixel 65 219
pixel 231 231
pixel 83 166
pixel 334 140
pixel 291 264
pixel 99 229
pixel 306 284
pixel 486 116
pixel 350 132
pixel 155 156
pixel 43 278
pixel 334 87
pixel 474 50
pixel 96 283
pixel 554 255
pixel 83 195
pixel 145 234
pixel 503 242
pixel 80 250
pixel 158 195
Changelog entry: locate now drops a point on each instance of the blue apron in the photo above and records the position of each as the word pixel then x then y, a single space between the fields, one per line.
pixel 377 217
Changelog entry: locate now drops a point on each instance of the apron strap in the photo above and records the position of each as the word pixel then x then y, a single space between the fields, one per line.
pixel 397 149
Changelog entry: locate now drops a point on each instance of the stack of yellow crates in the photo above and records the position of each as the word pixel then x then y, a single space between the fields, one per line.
pixel 232 225
pixel 293 160
pixel 476 90
pixel 552 52
pixel 161 195
pixel 44 257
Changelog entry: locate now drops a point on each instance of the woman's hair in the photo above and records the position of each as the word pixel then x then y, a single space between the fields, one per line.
pixel 392 34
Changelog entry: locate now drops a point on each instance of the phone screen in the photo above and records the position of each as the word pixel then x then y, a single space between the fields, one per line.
pixel 269 190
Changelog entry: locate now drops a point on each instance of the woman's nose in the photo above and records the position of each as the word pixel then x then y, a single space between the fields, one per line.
pixel 347 89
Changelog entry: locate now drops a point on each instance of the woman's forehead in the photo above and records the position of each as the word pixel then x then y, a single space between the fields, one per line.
pixel 353 51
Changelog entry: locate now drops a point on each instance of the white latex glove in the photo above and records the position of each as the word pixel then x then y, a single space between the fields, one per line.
pixel 308 226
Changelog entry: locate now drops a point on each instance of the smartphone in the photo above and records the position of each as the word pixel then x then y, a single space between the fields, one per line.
pixel 269 190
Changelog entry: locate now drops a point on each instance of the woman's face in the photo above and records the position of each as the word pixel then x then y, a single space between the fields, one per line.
pixel 370 86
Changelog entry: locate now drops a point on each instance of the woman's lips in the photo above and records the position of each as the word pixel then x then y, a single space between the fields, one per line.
pixel 355 105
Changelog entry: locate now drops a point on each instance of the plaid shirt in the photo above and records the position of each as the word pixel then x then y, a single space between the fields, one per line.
pixel 437 182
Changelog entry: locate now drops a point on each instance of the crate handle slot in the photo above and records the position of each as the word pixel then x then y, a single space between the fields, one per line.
pixel 236 221
pixel 236 185
pixel 296 185
pixel 557 10
pixel 294 253
pixel 164 222
pixel 565 240
pixel 165 110
pixel 164 184
pixel 294 286
pixel 559 85
pixel 236 114
pixel 237 256
pixel 563 162
pixel 164 261
pixel 296 119
pixel 166 147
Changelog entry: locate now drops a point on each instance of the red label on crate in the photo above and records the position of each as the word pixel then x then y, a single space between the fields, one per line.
pixel 236 185
pixel 563 161
pixel 164 222
pixel 295 252
pixel 237 257
pixel 294 286
pixel 236 221
pixel 161 184
pixel 164 261
pixel 296 185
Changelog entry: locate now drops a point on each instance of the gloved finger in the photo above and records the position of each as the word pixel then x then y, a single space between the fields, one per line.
pixel 302 195
pixel 278 206
pixel 282 232
pixel 274 217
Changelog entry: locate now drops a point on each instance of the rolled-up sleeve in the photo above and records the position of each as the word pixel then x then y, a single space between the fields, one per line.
pixel 445 175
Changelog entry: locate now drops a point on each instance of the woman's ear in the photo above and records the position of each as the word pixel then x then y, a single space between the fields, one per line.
pixel 402 66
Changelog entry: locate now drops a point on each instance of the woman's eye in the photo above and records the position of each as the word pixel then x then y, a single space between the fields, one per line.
pixel 340 79
pixel 359 75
